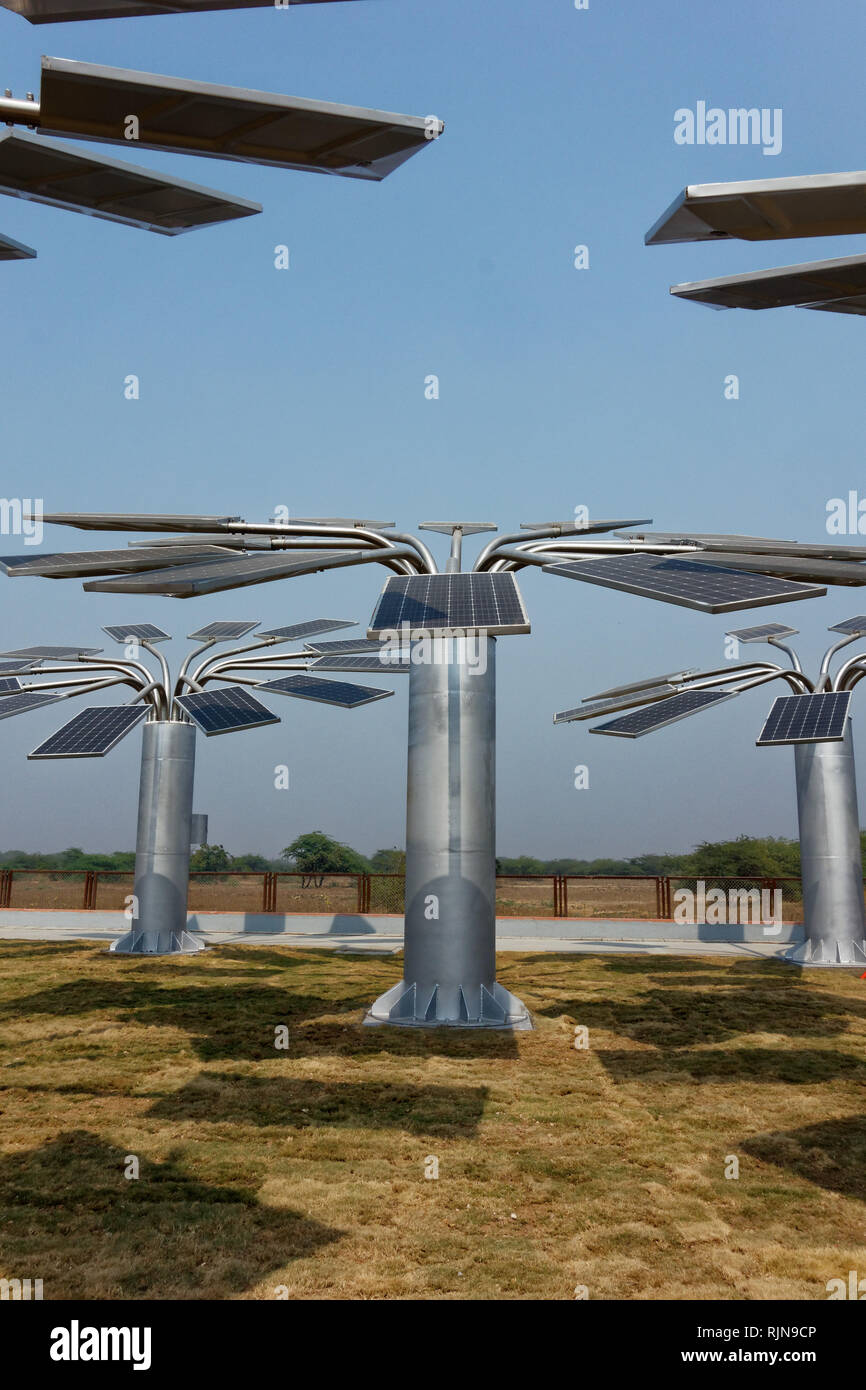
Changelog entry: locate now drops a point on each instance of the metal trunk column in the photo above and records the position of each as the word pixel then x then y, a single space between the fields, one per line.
pixel 831 869
pixel 450 929
pixel 162 846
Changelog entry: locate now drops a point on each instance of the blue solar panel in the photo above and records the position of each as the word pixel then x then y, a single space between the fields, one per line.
pixel 8 683
pixel 852 627
pixel 806 719
pixel 341 693
pixel 349 646
pixel 92 733
pixel 444 603
pixel 24 701
pixel 646 721
pixel 222 631
pixel 227 710
pixel 381 663
pixel 142 632
pixel 296 631
pixel 689 583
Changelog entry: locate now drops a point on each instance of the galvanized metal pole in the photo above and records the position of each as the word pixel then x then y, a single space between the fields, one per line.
pixel 450 916
pixel 831 870
pixel 163 844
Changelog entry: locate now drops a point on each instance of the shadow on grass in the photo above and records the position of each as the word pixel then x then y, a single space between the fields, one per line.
pixel 831 1154
pixel 445 1111
pixel 165 1234
pixel 797 1067
pixel 223 1021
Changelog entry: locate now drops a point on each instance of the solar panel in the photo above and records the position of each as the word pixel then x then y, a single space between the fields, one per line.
pixel 813 282
pixel 384 662
pixel 222 631
pixel 806 719
pixel 341 693
pixel 8 683
pixel 440 604
pixel 568 528
pixel 765 210
pixel 752 545
pixel 856 627
pixel 43 171
pixel 646 721
pixel 64 11
pixel 11 250
pixel 593 708
pixel 53 653
pixel 143 632
pixel 26 701
pixel 79 563
pixel 215 576
pixel 341 521
pixel 689 583
pixel 809 569
pixel 350 646
pixel 138 521
pixel 760 634
pixel 92 102
pixel 649 683
pixel 92 733
pixel 297 631
pixel 20 666
pixel 227 710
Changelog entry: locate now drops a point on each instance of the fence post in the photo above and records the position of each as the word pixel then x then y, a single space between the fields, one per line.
pixel 363 899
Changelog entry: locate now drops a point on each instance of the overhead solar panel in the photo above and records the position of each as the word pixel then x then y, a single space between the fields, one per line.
pixel 650 683
pixel 593 708
pixel 587 528
pixel 93 102
pixel 855 627
pixel 347 521
pixel 791 566
pixel 138 521
pixel 763 633
pixel 752 545
pixel 53 653
pixel 295 632
pixel 350 646
pixel 341 693
pixel 216 576
pixel 141 632
pixel 8 683
pixel 11 250
pixel 81 563
pixel 810 284
pixel 384 662
pixel 442 604
pixel 223 631
pixel 43 171
pixel 92 733
pixel 64 11
pixel 25 701
pixel 646 721
pixel 765 210
pixel 689 583
pixel 806 719
pixel 227 710
pixel 6 667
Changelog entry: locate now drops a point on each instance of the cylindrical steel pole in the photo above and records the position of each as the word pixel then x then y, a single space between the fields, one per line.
pixel 831 870
pixel 450 917
pixel 163 843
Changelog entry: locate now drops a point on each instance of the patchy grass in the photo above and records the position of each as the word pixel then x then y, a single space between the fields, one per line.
pixel 305 1168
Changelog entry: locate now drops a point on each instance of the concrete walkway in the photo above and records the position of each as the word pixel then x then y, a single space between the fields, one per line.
pixel 383 936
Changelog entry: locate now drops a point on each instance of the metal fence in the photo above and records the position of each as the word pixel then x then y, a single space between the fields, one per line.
pixel 537 895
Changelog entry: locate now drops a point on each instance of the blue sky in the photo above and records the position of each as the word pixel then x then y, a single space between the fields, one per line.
pixel 558 388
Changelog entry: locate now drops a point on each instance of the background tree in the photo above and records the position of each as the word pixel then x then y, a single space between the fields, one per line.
pixel 318 853
pixel 209 859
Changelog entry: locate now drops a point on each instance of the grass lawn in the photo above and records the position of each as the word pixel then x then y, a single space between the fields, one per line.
pixel 304 1169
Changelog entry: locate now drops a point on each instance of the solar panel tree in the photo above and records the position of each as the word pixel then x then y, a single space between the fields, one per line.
pixel 171 711
pixel 119 106
pixel 815 720
pixel 447 624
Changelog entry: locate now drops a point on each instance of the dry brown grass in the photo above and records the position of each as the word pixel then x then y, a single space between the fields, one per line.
pixel 305 1168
